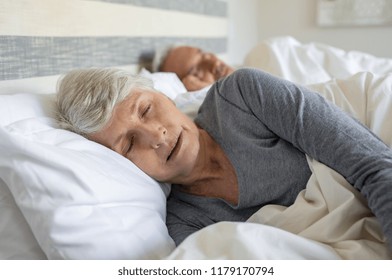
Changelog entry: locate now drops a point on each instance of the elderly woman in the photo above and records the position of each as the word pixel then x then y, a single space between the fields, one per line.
pixel 245 149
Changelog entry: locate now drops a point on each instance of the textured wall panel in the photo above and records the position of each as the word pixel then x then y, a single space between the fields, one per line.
pixel 22 57
pixel 46 37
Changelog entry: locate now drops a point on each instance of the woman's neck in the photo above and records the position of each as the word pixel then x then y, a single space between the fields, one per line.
pixel 213 175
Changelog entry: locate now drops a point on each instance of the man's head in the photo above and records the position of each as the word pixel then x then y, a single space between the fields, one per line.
pixel 195 68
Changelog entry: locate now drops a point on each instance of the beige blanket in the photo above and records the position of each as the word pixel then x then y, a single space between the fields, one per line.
pixel 330 211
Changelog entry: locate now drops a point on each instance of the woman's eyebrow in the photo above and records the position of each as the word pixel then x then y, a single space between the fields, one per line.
pixel 122 135
pixel 116 143
pixel 134 105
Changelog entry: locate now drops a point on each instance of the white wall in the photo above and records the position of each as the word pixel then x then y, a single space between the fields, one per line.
pixel 298 18
pixel 251 21
pixel 243 29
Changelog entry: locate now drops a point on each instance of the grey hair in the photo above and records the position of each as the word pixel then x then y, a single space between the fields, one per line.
pixel 161 54
pixel 86 97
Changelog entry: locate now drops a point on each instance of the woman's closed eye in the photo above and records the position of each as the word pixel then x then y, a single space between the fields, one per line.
pixel 144 110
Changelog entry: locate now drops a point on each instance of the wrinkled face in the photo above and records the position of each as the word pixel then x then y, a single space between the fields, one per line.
pixel 194 67
pixel 149 130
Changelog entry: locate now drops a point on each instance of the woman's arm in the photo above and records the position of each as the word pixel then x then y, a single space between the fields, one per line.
pixel 183 219
pixel 321 130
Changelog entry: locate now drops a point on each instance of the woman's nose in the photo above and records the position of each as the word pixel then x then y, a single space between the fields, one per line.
pixel 157 136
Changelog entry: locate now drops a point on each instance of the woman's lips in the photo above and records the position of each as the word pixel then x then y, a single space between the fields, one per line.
pixel 177 146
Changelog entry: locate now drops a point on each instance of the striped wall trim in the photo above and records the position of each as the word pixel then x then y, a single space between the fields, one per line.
pixel 25 57
pixel 205 7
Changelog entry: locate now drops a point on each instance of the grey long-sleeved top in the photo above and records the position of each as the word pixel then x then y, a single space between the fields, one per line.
pixel 265 126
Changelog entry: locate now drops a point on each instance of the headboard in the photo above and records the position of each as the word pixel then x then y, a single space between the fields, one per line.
pixel 49 37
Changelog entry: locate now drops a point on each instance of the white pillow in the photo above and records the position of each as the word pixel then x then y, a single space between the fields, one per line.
pixel 165 82
pixel 80 199
pixel 190 102
pixel 16 238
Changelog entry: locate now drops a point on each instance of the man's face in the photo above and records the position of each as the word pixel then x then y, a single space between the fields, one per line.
pixel 149 130
pixel 195 68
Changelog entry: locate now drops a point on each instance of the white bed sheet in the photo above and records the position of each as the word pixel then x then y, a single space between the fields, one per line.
pixel 310 63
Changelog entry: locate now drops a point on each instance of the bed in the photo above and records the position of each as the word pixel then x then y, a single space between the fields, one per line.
pixel 64 197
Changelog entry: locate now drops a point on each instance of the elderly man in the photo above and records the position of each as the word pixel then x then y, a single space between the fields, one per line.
pixel 278 56
pixel 195 68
